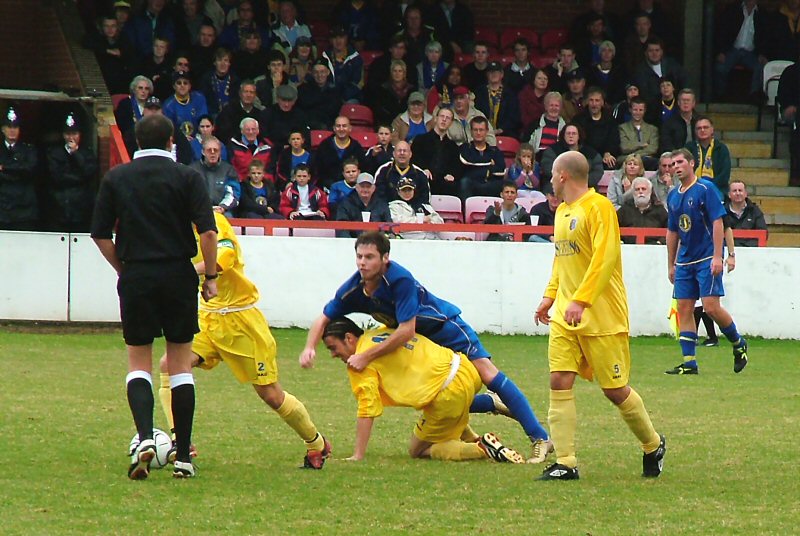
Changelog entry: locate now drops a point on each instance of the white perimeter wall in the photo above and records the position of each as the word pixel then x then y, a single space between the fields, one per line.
pixel 50 276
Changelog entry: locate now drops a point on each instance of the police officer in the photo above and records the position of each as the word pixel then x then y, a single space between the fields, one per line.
pixel 19 208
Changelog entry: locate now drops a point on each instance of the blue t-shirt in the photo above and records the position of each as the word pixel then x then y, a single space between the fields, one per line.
pixel 398 298
pixel 692 214
pixel 339 190
pixel 302 159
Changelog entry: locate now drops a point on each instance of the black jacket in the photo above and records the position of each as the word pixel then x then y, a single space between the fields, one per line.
pixel 321 104
pixel 351 207
pixel 601 135
pixel 673 133
pixel 327 163
pixel 440 156
pixel 509 118
pixel 71 189
pixel 752 218
pixel 251 204
pixel 18 203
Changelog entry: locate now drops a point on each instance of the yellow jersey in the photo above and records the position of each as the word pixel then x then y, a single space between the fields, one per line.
pixel 411 376
pixel 588 266
pixel 233 288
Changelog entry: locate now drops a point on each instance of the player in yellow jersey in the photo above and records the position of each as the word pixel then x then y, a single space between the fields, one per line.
pixel 233 330
pixel 422 375
pixel 589 328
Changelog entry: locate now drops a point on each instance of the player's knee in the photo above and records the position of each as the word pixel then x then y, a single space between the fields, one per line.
pixel 271 394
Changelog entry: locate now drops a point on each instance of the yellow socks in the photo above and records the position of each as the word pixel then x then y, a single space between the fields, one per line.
pixel 165 396
pixel 635 416
pixel 469 435
pixel 563 421
pixel 294 413
pixel 457 451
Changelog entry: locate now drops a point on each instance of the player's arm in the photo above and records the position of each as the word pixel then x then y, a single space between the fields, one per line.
pixel 109 252
pixel 672 253
pixel 403 334
pixel 208 246
pixel 718 235
pixel 730 260
pixel 312 339
pixel 363 433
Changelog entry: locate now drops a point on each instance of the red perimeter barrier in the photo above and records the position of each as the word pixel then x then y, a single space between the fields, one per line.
pixel 118 154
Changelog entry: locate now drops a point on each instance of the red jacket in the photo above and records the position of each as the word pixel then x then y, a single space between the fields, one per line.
pixel 317 198
pixel 241 157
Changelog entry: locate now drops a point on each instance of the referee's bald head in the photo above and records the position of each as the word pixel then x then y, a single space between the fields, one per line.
pixel 574 165
pixel 154 132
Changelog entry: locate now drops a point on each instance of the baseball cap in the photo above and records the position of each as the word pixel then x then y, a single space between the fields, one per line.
pixel 460 90
pixel 11 119
pixel 494 66
pixel 178 75
pixel 286 92
pixel 405 183
pixel 416 96
pixel 365 177
pixel 153 102
pixel 122 4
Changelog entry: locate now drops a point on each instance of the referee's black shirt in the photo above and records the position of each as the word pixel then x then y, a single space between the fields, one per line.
pixel 155 201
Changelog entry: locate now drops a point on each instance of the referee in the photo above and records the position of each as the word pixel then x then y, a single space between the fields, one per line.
pixel 153 202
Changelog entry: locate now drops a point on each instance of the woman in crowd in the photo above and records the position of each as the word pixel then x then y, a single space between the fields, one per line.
pixel 570 139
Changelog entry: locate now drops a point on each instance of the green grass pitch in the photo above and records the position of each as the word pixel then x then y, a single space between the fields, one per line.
pixel 731 465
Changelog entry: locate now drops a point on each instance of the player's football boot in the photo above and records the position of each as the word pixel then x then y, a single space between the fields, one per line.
pixel 682 369
pixel 173 452
pixel 559 471
pixel 653 462
pixel 141 457
pixel 183 470
pixel 315 459
pixel 710 342
pixel 539 450
pixel 740 356
pixel 500 407
pixel 495 450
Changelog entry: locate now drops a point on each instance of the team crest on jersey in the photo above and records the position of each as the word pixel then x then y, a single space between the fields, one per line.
pixel 573 223
pixel 685 223
pixel 187 129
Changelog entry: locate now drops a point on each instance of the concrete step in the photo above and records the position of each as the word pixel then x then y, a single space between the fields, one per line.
pixel 757 177
pixel 769 163
pixel 745 135
pixel 778 205
pixel 733 121
pixel 749 149
pixel 728 108
pixel 779 191
pixel 783 223
pixel 784 240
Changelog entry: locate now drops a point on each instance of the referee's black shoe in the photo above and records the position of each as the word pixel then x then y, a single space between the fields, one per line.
pixel 740 357
pixel 559 471
pixel 653 462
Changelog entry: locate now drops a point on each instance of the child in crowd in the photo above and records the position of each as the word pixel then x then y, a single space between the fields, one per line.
pixel 259 199
pixel 507 212
pixel 343 188
pixel 304 201
pixel 290 159
pixel 524 172
pixel 378 155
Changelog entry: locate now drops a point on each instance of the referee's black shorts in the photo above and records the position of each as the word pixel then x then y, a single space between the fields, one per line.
pixel 158 298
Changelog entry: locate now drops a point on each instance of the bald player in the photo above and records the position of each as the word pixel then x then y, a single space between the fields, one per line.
pixel 589 328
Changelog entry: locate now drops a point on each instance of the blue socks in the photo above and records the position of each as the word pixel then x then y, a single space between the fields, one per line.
pixel 688 342
pixel 518 404
pixel 482 403
pixel 732 334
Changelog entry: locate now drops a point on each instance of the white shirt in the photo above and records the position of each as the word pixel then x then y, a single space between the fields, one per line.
pixel 746 38
pixel 303 206
pixel 657 69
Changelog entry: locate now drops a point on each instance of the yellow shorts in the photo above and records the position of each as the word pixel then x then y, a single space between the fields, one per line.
pixel 606 357
pixel 242 340
pixel 446 417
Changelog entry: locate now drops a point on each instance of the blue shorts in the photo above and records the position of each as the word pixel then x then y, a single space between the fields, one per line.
pixel 694 281
pixel 460 337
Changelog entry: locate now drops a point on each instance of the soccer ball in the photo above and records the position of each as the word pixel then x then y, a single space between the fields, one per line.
pixel 163 445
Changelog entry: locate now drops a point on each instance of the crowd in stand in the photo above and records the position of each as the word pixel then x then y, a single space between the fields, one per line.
pixel 249 85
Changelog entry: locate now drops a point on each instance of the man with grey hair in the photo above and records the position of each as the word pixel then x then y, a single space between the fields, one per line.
pixel 220 177
pixel 642 209
pixel 231 114
pixel 130 110
pixel 250 145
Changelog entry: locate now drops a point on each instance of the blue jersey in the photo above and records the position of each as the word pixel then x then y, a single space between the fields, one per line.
pixel 185 117
pixel 692 214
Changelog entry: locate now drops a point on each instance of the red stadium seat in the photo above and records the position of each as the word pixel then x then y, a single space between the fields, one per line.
pixel 320 30
pixel 318 136
pixel 510 35
pixel 508 145
pixel 602 186
pixel 553 38
pixel 366 138
pixel 488 34
pixel 368 56
pixel 358 114
pixel 463 59
pixel 448 207
pixel 506 60
pixel 528 202
pixel 319 233
pixel 117 98
pixel 475 208
pixel 543 59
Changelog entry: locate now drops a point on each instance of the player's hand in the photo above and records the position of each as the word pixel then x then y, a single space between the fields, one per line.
pixel 730 263
pixel 542 313
pixel 716 266
pixel 671 274
pixel 574 313
pixel 497 208
pixel 357 362
pixel 307 357
pixel 209 289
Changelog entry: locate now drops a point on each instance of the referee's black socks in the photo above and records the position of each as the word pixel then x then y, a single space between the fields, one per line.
pixel 141 402
pixel 183 412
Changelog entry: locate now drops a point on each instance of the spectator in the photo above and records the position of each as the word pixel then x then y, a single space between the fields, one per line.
pixel 283 118
pixel 205 131
pixel 362 205
pixel 575 96
pixel 608 74
pixel 524 172
pixel 248 147
pixel 391 98
pixel 415 34
pixel 545 213
pixel 662 180
pixel 346 186
pixel 786 33
pixel 789 100
pixel 588 47
pixel 602 132
pixel 639 137
pixel 389 175
pixel 287 30
pixel 743 213
pixel 346 65
pixel 292 156
pixel 301 60
pixel 438 155
pixel 122 12
pixel 642 209
pixel 380 153
pixel 551 123
pixel 498 103
pixel 222 181
pixel 304 201
pixel 531 101
pixel 185 107
pixel 411 123
pixel 507 212
pixel 663 108
pixel 114 53
pixel 474 73
pixel 158 69
pixel 187 24
pixel 743 39
pixel 636 42
pixel 18 163
pixel 580 26
pixel 442 92
pixel 380 71
pixel 564 64
pixel 408 209
pixel 657 66
pixel 130 110
pixel 151 23
pixel 231 115
pixel 360 19
pixel 73 170
pixel 484 164
pixel 454 26
pixel 390 17
pixel 260 199
pixel 465 111
pixel 219 85
pixel 233 35
pixel 519 72
pixel 268 84
pixel 679 129
pixel 201 55
pixel 248 61
pixel 319 97
pixel 335 150
pixel 622 182
pixel 622 110
pixel 181 148
pixel 431 69
pixel 711 156
pixel 571 139
pixel 662 24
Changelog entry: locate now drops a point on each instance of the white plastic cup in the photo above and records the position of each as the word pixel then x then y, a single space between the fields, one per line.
pixel 365 216
pixel 420 217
